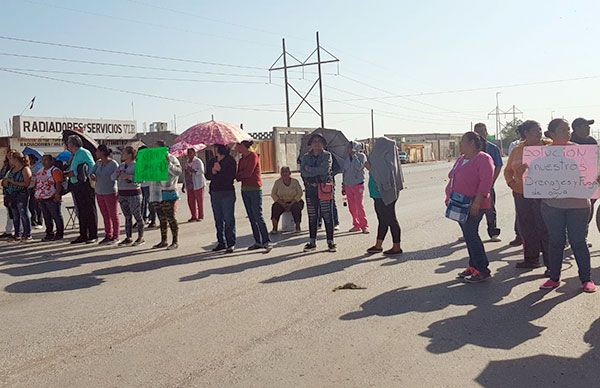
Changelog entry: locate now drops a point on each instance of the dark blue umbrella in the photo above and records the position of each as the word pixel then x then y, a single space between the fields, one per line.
pixel 28 151
pixel 64 156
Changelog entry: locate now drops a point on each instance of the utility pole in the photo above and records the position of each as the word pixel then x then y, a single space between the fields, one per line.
pixel 301 64
pixel 497 112
pixel 372 129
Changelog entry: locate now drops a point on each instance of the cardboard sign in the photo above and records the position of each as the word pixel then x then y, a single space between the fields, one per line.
pixel 561 171
pixel 151 165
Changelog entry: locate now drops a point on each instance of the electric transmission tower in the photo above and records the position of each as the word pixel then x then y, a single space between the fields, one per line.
pixel 309 61
pixel 497 112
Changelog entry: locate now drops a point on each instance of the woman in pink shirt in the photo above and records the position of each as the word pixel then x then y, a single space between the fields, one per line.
pixel 473 176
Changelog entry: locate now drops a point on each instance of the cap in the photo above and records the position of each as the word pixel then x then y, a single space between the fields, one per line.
pixel 578 122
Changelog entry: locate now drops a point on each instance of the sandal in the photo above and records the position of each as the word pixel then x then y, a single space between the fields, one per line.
pixel 374 249
pixel 393 252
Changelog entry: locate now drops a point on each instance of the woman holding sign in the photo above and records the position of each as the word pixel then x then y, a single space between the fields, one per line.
pixel 472 177
pixel 163 194
pixel 531 224
pixel 568 215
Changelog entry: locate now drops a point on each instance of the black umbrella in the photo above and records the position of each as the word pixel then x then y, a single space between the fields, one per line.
pixel 337 144
pixel 88 143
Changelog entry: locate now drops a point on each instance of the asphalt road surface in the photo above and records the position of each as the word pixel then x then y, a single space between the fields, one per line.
pixel 87 316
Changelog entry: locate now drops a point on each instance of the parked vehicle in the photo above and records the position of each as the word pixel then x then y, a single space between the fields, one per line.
pixel 403 156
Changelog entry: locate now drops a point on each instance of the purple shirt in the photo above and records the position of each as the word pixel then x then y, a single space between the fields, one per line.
pixel 471 177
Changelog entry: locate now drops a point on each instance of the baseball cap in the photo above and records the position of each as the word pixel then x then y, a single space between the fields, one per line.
pixel 581 121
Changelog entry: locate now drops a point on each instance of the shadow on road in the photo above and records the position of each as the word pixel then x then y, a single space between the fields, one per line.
pixel 488 325
pixel 63 283
pixel 545 370
pixel 241 267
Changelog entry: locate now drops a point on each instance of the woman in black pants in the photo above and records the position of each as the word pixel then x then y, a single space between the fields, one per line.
pixel 385 183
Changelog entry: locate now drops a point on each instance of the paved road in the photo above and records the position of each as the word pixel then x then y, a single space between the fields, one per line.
pixel 87 316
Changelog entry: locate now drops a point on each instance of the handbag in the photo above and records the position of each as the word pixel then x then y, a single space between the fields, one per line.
pixel 459 204
pixel 325 191
pixel 458 207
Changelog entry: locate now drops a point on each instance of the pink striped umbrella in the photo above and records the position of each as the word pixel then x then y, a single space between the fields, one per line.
pixel 213 132
pixel 179 149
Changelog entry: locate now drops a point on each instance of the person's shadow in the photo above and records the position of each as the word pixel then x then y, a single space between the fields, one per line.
pixel 488 325
pixel 545 370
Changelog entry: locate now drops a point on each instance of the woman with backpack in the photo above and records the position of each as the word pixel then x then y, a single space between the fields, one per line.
pixel 48 193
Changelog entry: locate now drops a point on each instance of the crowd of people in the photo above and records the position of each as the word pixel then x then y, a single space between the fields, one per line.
pixel 542 226
pixel 99 182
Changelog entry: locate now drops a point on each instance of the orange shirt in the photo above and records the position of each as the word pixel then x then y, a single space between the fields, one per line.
pixel 514 170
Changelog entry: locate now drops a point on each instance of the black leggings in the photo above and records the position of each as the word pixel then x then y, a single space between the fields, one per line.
pixel 386 215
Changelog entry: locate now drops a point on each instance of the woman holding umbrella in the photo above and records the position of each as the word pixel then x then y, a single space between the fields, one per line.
pixel 316 173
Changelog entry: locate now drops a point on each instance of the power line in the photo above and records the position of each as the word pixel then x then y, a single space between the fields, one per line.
pixel 133 92
pixel 144 23
pixel 136 77
pixel 453 91
pixel 245 108
pixel 393 105
pixel 132 66
pixel 185 13
pixel 65 45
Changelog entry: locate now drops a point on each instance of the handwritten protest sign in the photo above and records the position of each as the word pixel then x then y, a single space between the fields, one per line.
pixel 151 165
pixel 561 171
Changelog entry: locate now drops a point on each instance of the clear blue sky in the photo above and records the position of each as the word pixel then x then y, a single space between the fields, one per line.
pixel 392 48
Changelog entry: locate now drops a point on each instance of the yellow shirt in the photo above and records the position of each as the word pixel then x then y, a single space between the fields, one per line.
pixel 291 193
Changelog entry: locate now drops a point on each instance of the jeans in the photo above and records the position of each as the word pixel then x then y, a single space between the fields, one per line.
pixel 51 210
pixel 253 204
pixel 223 206
pixel 575 221
pixel 355 195
pixel 491 217
pixel 108 208
pixel 131 206
pixel 21 215
pixel 386 215
pixel 318 209
pixel 10 226
pixel 195 200
pixel 535 235
pixel 477 256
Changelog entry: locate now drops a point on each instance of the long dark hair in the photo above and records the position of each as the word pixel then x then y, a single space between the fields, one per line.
pixel 222 149
pixel 131 151
pixel 526 126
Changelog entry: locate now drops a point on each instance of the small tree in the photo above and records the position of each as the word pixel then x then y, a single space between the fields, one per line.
pixel 509 132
